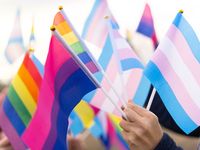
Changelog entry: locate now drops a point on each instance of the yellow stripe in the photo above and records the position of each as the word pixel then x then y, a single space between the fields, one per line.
pixel 86 113
pixel 70 38
pixel 63 28
pixel 24 94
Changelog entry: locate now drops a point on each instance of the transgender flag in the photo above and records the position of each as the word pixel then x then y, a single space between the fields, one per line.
pixel 135 84
pixel 174 72
pixel 15 47
pixel 64 83
pixel 95 29
pixel 146 26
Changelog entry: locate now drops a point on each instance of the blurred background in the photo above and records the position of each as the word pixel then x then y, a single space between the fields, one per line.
pixel 126 12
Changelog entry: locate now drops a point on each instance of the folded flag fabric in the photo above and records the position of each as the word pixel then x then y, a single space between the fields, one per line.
pixel 95 30
pixel 174 72
pixel 146 25
pixel 15 47
pixel 21 101
pixel 62 88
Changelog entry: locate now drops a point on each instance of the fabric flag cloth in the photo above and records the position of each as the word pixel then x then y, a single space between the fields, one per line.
pixel 62 88
pixel 82 117
pixel 136 85
pixel 174 72
pixel 95 30
pixel 21 101
pixel 146 25
pixel 15 47
pixel 31 44
pixel 70 36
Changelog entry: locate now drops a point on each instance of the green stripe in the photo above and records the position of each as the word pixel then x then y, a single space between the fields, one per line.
pixel 19 106
pixel 77 47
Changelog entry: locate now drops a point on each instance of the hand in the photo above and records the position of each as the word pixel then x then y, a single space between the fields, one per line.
pixel 142 130
pixel 75 143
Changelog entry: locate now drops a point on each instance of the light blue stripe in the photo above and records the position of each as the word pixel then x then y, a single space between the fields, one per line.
pixel 106 54
pixel 169 99
pixel 38 64
pixel 142 91
pixel 188 34
pixel 90 18
pixel 77 126
pixel 130 63
pixel 96 130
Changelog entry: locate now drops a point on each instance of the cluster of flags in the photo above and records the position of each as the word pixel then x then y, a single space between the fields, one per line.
pixel 73 91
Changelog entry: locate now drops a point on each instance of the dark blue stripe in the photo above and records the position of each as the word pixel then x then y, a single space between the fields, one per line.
pixel 85 58
pixel 72 91
pixel 106 54
pixel 90 18
pixel 13 116
pixel 131 63
pixel 142 91
pixel 188 34
pixel 169 99
pixel 77 126
pixel 145 28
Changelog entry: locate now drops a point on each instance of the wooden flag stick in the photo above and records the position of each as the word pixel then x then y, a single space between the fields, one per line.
pixel 151 99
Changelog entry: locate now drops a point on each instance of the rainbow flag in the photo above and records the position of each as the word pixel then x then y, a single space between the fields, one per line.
pixel 31 44
pixel 61 90
pixel 20 103
pixel 70 36
pixel 146 25
pixel 95 30
pixel 174 72
pixel 15 47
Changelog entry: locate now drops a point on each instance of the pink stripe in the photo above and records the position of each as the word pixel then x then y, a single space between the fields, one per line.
pixel 133 82
pixel 126 53
pixel 184 51
pixel 52 65
pixel 177 86
pixel 96 38
pixel 97 17
pixel 10 132
pixel 45 105
pixel 111 71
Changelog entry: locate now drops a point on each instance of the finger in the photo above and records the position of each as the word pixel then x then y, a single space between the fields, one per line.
pixel 125 125
pixel 132 115
pixel 138 109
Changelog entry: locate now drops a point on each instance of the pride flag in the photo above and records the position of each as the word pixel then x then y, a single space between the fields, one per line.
pixel 61 90
pixel 174 72
pixel 136 85
pixel 95 30
pixel 68 33
pixel 15 46
pixel 32 37
pixel 21 101
pixel 146 25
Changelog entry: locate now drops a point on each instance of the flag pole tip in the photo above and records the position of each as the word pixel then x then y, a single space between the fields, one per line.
pixel 52 28
pixel 31 49
pixel 181 11
pixel 60 7
pixel 106 17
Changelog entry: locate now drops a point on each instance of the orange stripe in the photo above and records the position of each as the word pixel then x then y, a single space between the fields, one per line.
pixel 32 69
pixel 29 82
pixel 58 19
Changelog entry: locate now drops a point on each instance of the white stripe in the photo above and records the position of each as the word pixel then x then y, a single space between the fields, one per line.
pixel 121 43
pixel 179 67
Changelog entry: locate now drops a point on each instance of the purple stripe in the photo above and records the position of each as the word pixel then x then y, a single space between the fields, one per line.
pixel 15 140
pixel 92 67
